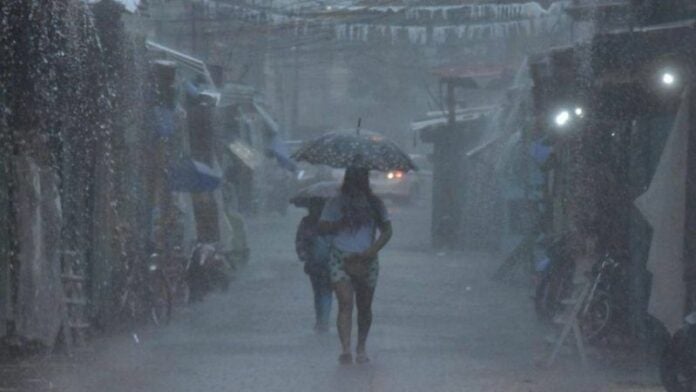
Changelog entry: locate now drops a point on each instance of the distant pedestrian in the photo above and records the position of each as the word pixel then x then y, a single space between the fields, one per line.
pixel 353 218
pixel 313 250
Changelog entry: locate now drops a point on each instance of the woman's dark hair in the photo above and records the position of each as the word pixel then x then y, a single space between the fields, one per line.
pixel 356 181
pixel 358 209
pixel 315 206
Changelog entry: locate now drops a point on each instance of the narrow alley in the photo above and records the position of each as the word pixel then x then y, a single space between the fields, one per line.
pixel 441 324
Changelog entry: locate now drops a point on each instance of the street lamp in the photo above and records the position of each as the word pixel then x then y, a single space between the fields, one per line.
pixel 562 118
pixel 668 79
pixel 671 76
pixel 566 116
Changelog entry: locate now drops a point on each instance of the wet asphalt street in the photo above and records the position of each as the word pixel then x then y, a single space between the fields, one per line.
pixel 440 325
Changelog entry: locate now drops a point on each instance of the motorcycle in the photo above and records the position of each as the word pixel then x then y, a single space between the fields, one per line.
pixel 556 286
pixel 678 360
pixel 207 270
pixel 600 305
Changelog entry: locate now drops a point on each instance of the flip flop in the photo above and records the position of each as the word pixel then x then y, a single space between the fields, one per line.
pixel 345 359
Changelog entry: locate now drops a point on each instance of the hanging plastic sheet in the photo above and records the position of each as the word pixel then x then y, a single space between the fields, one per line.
pixel 192 176
pixel 40 306
pixel 664 206
pixel 279 150
pixel 164 119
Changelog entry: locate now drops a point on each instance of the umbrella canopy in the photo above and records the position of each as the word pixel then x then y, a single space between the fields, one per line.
pixel 364 150
pixel 320 190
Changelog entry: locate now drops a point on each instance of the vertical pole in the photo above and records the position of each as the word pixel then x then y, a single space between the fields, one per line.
pixel 194 30
pixel 279 71
pixel 451 103
pixel 690 218
pixel 451 208
pixel 295 105
pixel 202 141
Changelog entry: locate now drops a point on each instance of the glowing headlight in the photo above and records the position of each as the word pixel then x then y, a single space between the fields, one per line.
pixel 395 175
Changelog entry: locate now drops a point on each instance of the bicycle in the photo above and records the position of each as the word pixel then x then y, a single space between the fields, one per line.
pixel 174 271
pixel 146 293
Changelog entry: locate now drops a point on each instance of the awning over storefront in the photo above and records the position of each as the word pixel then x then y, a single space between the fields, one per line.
pixel 486 145
pixel 236 94
pixel 192 64
pixel 428 127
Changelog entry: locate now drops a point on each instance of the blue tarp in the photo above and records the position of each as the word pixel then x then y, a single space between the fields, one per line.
pixel 279 150
pixel 164 121
pixel 540 151
pixel 193 176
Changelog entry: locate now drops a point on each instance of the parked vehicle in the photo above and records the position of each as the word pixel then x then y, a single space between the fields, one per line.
pixel 556 286
pixel 396 185
pixel 207 270
pixel 600 305
pixel 678 360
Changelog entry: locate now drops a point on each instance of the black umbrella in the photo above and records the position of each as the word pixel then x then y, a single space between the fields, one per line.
pixel 364 150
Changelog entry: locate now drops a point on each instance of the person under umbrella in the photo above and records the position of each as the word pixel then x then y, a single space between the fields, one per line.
pixel 313 249
pixel 353 218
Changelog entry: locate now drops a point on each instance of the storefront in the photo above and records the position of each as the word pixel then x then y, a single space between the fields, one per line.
pixel 608 107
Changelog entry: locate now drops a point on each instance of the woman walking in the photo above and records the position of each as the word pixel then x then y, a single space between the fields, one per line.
pixel 353 219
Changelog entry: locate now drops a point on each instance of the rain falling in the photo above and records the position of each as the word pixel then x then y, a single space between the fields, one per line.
pixel 347 195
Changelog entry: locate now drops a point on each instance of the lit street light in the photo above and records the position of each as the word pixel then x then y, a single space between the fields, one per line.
pixel 668 79
pixel 562 118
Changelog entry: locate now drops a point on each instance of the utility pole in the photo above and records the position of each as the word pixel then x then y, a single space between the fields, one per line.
pixel 294 109
pixel 194 29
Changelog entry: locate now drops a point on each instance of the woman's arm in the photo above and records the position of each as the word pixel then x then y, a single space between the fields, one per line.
pixel 385 234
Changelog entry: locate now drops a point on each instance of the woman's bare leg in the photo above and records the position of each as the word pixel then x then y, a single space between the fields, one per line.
pixel 344 321
pixel 363 300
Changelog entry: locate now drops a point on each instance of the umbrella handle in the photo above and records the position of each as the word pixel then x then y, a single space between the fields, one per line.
pixel 357 130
